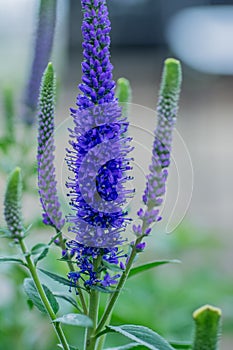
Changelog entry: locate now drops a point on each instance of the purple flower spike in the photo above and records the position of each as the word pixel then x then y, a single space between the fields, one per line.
pixel 99 155
pixel 43 48
pixel 167 111
pixel 45 157
pixel 97 86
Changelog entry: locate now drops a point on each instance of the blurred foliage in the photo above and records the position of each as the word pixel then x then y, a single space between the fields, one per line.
pixel 162 298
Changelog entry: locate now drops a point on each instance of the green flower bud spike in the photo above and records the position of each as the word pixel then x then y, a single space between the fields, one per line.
pixel 171 80
pixel 12 204
pixel 124 95
pixel 207 328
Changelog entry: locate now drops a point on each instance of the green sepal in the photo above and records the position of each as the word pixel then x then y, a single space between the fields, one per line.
pixel 143 336
pixel 32 293
pixel 12 204
pixel 207 328
pixel 138 269
pixel 75 320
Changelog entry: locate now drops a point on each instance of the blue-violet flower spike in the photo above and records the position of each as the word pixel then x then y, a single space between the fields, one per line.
pixel 42 52
pixel 99 155
pixel 45 157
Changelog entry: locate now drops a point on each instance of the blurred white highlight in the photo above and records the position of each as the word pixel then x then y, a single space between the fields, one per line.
pixel 202 38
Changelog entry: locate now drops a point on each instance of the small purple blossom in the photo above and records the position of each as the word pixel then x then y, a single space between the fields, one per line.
pixel 46 171
pixel 109 280
pixel 140 247
pixel 84 257
pixel 137 229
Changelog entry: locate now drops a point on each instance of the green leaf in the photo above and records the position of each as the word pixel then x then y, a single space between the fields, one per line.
pixel 135 270
pixel 41 250
pixel 59 278
pixel 32 293
pixel 67 298
pixel 6 233
pixel 13 260
pixel 124 347
pixel 54 238
pixel 143 336
pixel 112 267
pixel 102 289
pixel 75 320
pixel 181 345
pixel 38 248
pixel 70 347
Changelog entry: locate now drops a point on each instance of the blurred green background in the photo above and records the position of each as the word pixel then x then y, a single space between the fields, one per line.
pixel 162 299
pixel 165 297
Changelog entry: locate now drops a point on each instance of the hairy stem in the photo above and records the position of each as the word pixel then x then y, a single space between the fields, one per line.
pixel 114 297
pixel 93 311
pixel 71 267
pixel 32 269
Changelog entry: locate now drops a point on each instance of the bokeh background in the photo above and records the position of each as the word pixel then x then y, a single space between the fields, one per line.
pixel 144 33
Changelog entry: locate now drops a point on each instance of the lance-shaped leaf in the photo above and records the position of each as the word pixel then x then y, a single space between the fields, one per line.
pixel 58 278
pixel 207 328
pixel 138 269
pixel 75 320
pixel 33 295
pixel 143 336
pixel 12 204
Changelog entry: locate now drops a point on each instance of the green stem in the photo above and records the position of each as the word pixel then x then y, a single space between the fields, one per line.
pixel 93 311
pixel 32 269
pixel 101 342
pixel 71 267
pixel 114 297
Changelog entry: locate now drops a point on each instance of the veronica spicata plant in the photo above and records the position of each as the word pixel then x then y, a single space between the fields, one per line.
pixel 99 158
